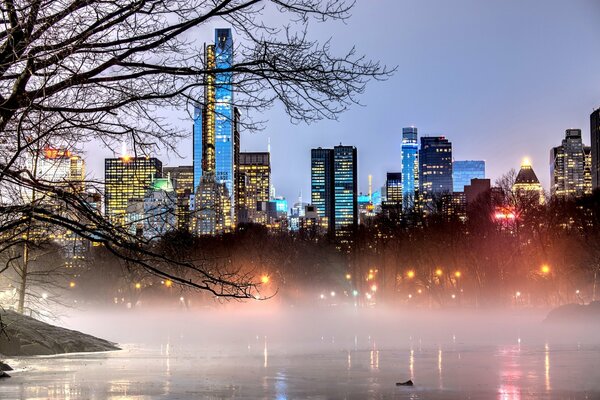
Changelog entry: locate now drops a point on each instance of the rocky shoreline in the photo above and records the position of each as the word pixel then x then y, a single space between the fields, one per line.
pixel 26 336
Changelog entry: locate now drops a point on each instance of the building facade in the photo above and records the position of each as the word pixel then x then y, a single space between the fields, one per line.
pixel 568 166
pixel 392 206
pixel 127 178
pixel 321 181
pixel 410 166
pixel 345 185
pixel 527 185
pixel 464 171
pixel 435 167
pixel 253 185
pixel 595 145
pixel 182 179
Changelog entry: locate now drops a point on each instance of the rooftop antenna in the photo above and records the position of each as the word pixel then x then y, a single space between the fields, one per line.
pixel 370 185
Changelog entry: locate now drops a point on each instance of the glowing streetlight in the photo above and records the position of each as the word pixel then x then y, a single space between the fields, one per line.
pixel 458 274
pixel 410 274
pixel 577 291
pixel 322 296
pixel 138 285
pixel 355 293
pixel 419 291
pixel 370 276
pixel 181 299
pixel 374 288
pixel 453 296
pixel 168 283
pixel 545 269
pixel 410 296
pixel 265 279
pixel 348 276
pixel 369 296
pixel 439 272
pixel 71 284
pixel 518 294
pixel 332 294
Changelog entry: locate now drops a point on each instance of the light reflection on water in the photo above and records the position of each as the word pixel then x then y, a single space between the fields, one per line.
pixel 343 370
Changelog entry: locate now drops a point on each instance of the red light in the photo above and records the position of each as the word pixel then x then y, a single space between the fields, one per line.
pixel 52 153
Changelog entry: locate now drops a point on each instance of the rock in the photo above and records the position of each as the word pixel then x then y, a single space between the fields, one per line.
pixel 407 383
pixel 5 367
pixel 4 375
pixel 28 337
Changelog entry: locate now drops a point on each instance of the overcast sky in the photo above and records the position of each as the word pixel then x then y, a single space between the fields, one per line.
pixel 501 79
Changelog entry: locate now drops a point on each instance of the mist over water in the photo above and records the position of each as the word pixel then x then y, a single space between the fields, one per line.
pixel 267 351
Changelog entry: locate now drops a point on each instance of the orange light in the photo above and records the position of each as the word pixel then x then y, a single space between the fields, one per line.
pixel 439 272
pixel 457 274
pixel 410 274
pixel 71 284
pixel 545 269
pixel 168 283
pixel 348 276
pixel 370 276
pixel 138 285
pixel 265 279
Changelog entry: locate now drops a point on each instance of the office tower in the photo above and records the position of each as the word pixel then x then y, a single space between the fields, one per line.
pixel 254 182
pixel 464 171
pixel 392 206
pixel 527 184
pixel 216 122
pixel 587 170
pixel 454 206
pixel 127 178
pixel 410 166
pixel 476 189
pixel 567 166
pixel 182 178
pixel 160 207
pixel 345 191
pixel 321 179
pixel 59 166
pixel 595 145
pixel 435 167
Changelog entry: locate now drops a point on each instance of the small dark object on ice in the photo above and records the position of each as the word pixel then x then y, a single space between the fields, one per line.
pixel 407 383
pixel 5 367
pixel 4 375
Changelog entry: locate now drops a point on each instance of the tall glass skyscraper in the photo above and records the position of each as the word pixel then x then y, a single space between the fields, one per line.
pixel 595 144
pixel 435 167
pixel 568 166
pixel 464 171
pixel 410 165
pixel 345 190
pixel 321 182
pixel 197 146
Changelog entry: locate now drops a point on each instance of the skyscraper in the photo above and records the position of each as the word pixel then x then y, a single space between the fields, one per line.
pixel 464 171
pixel 435 167
pixel 321 181
pixel 595 144
pixel 125 179
pixel 345 185
pixel 527 184
pixel 216 132
pixel 567 166
pixel 392 206
pixel 410 165
pixel 254 182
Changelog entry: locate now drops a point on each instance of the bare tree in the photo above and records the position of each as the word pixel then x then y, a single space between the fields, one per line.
pixel 74 71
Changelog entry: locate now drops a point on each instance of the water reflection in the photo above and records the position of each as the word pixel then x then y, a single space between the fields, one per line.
pixel 510 374
pixel 547 367
pixel 411 364
pixel 440 375
pixel 266 355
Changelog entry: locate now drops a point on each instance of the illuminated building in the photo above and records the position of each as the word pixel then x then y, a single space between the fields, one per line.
pixel 410 166
pixel 159 207
pixel 454 206
pixel 345 190
pixel 464 171
pixel 568 166
pixel 216 131
pixel 213 206
pixel 527 185
pixel 127 178
pixel 321 180
pixel 595 145
pixel 587 170
pixel 59 166
pixel 435 167
pixel 392 206
pixel 254 182
pixel 182 178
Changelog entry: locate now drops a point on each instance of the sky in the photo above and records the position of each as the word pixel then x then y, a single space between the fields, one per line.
pixel 501 79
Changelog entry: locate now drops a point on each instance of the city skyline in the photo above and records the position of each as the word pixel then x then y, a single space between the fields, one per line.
pixel 530 97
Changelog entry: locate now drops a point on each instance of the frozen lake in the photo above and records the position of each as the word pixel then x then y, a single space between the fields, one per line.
pixel 199 358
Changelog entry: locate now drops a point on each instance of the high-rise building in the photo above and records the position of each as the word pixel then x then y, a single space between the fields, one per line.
pixel 475 189
pixel 321 180
pixel 127 178
pixel 392 206
pixel 59 166
pixel 595 144
pixel 527 184
pixel 182 178
pixel 464 171
pixel 216 130
pixel 587 171
pixel 410 165
pixel 254 182
pixel 435 167
pixel 345 189
pixel 567 166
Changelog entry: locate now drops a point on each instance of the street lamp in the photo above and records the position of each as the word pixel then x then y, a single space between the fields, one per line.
pixel 71 284
pixel 458 274
pixel 138 285
pixel 348 277
pixel 545 269
pixel 265 279
pixel 410 274
pixel 374 288
pixel 439 272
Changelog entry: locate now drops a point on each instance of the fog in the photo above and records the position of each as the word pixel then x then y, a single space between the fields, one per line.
pixel 262 350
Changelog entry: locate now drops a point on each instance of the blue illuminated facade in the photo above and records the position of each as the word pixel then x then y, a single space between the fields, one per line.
pixel 464 171
pixel 224 139
pixel 410 165
pixel 345 184
pixel 321 182
pixel 197 146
